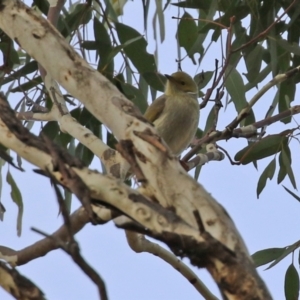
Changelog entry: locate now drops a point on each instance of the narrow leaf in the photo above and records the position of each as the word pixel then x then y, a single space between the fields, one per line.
pixel 17 198
pixel 136 52
pixel 288 250
pixel 291 283
pixel 187 33
pixel 265 256
pixel 291 193
pixel 268 173
pixel 267 146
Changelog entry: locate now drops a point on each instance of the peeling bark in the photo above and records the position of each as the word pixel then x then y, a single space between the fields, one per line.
pixel 185 216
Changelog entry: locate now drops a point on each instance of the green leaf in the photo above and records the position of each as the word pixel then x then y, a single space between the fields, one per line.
pixel 143 87
pixel 137 52
pixel 135 95
pixel 287 91
pixel 193 4
pixel 267 173
pixel 187 34
pixel 203 78
pixel 43 6
pixel 267 146
pixel 117 49
pixel 291 283
pixel 273 53
pixel 155 80
pixel 288 250
pixel 253 62
pixel 289 47
pixel 63 139
pixel 105 65
pixel 84 154
pixel 72 148
pixel 282 171
pixel 197 172
pixel 75 113
pixel 210 120
pixel 85 117
pixel 287 160
pixel 51 130
pixel 90 45
pixel 259 78
pixel 110 11
pixel 81 14
pixel 118 6
pixel 17 198
pixel 10 55
pixel 146 4
pixel 284 58
pixel 68 199
pixel 111 140
pixel 236 89
pixel 28 85
pixel 27 69
pixel 265 256
pixel 161 20
pixel 291 193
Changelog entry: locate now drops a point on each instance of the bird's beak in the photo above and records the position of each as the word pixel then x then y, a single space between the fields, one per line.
pixel 170 78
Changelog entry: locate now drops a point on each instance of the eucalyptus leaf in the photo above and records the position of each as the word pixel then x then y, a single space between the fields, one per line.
pixel 17 198
pixel 265 147
pixel 268 173
pixel 266 256
pixel 291 283
pixel 137 52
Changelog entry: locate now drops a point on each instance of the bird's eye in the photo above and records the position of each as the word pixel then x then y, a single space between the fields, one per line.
pixel 182 83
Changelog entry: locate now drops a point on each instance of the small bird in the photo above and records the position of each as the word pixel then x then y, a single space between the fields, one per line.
pixel 175 114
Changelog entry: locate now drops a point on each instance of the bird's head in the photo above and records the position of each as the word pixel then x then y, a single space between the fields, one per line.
pixel 180 82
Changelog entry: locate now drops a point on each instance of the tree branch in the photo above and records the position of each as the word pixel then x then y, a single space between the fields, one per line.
pixel 139 243
pixel 200 229
pixel 17 285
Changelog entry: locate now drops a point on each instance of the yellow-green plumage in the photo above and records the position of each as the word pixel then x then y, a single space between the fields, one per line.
pixel 175 114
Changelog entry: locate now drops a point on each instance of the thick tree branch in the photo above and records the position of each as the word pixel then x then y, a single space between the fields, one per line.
pixel 200 229
pixel 139 243
pixel 17 285
pixel 20 257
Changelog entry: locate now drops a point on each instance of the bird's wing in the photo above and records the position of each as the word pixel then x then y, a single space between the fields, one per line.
pixel 155 109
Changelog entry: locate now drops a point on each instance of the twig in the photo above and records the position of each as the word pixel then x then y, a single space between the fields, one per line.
pixel 228 156
pixel 221 74
pixel 71 179
pixel 265 32
pixel 245 112
pixel 72 248
pixel 217 107
pixel 202 158
pixel 78 220
pixel 139 243
pixel 201 20
pixel 245 132
pixel 209 91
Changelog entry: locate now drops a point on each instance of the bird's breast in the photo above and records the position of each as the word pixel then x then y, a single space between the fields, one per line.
pixel 177 125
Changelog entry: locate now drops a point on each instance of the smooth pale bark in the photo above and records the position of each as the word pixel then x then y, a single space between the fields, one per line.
pixel 194 225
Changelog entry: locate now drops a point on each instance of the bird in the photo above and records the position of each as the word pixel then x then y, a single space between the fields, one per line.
pixel 175 114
